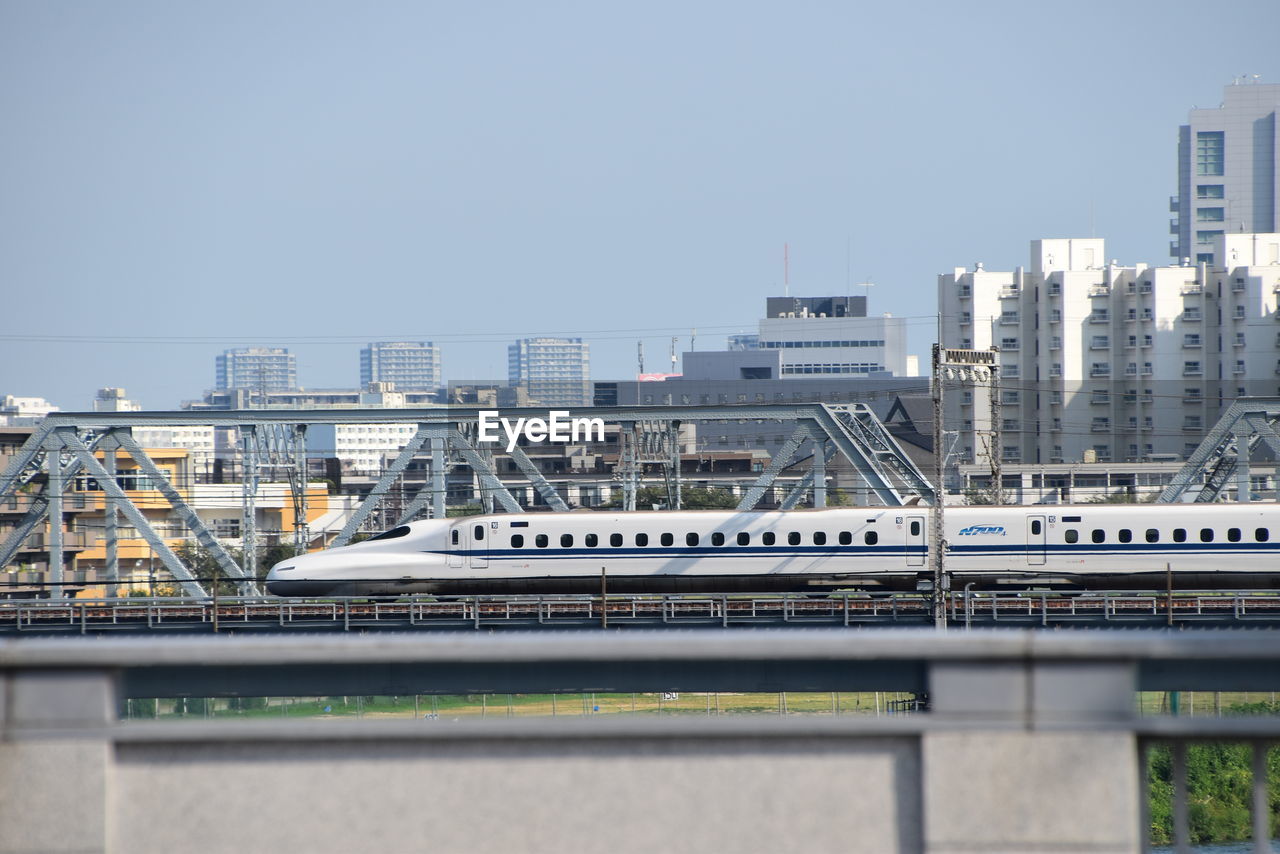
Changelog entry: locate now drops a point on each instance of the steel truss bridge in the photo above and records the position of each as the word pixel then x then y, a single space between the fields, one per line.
pixel 66 445
pixel 970 609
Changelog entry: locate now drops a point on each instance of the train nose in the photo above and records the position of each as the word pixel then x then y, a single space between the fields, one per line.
pixel 289 578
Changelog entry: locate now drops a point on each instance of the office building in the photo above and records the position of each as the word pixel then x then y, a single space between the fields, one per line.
pixel 261 369
pixel 832 336
pixel 407 364
pixel 554 371
pixel 1102 362
pixel 1228 181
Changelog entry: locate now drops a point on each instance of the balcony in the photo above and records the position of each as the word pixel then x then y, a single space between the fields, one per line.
pixel 1191 315
pixel 1193 371
pixel 1100 371
pixel 1238 286
pixel 1010 292
pixel 1174 205
pixel 1099 317
pixel 1146 288
pixel 1055 289
pixel 1009 318
pixel 1099 291
pixel 1175 250
pixel 1189 288
pixel 1101 425
pixel 1175 226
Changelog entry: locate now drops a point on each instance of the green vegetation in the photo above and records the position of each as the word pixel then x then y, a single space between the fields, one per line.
pixel 1219 786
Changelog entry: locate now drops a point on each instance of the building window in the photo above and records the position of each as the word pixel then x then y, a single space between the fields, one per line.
pixel 1207 237
pixel 1211 191
pixel 1055 315
pixel 1100 342
pixel 1192 340
pixel 1192 369
pixel 1209 152
pixel 1099 315
pixel 1210 214
pixel 1008 343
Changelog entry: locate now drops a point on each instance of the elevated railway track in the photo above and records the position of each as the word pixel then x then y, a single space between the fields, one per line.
pixel 968 609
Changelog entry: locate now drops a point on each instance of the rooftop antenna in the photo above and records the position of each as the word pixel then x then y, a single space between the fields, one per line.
pixel 640 354
pixel 786 270
pixel 693 339
pixel 674 341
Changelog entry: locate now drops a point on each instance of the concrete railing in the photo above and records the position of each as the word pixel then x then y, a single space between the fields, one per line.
pixel 1032 743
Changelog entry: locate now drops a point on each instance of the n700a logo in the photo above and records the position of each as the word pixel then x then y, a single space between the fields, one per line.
pixel 974 530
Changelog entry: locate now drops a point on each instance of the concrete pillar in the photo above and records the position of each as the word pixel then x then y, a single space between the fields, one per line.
pixel 1031 765
pixel 54 760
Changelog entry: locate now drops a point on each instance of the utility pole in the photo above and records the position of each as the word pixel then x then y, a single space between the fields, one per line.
pixel 936 541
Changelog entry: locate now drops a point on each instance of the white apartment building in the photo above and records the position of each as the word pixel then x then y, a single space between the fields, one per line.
pixel 1228 181
pixel 197 439
pixel 16 411
pixel 407 364
pixel 1113 363
pixel 554 371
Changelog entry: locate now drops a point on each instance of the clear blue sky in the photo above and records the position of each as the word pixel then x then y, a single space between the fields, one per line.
pixel 179 178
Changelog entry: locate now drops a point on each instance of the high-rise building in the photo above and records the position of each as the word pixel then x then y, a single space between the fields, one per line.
pixel 257 368
pixel 1110 363
pixel 554 371
pixel 832 336
pixel 408 364
pixel 1228 172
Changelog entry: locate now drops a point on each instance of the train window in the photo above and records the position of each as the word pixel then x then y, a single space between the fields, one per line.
pixel 846 537
pixel 819 538
pixel 566 541
pixel 915 529
pixel 871 538
pixel 402 531
pixel 591 541
pixel 717 539
pixel 1206 535
pixel 615 540
pixel 793 538
pixel 767 538
pixel 454 536
pixel 1071 535
pixel 1261 535
pixel 1036 526
pixel 1153 536
pixel 642 540
pixel 479 533
pixel 1233 535
pixel 517 541
pixel 666 539
pixel 540 541
pixel 1098 535
pixel 1124 535
pixel 690 539
pixel 744 539
pixel 1179 535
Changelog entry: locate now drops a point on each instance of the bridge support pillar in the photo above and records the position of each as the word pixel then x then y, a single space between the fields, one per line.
pixel 1053 748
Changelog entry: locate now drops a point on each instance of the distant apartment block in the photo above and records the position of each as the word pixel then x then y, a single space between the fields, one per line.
pixel 257 368
pixel 23 410
pixel 1111 363
pixel 1227 172
pixel 408 364
pixel 554 371
pixel 832 336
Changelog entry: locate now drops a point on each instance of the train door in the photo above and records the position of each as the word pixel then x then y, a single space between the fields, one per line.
pixel 915 540
pixel 1037 540
pixel 456 546
pixel 479 548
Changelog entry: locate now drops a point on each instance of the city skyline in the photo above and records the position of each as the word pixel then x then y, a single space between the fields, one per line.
pixel 519 174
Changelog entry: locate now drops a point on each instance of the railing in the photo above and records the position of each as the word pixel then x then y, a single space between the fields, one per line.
pixel 721 610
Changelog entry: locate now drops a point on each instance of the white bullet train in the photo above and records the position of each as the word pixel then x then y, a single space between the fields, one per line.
pixel 1092 545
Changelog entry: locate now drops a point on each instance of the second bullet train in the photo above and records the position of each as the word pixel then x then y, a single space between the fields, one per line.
pixel 1093 546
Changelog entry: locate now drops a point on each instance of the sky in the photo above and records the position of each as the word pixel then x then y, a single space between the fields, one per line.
pixel 181 178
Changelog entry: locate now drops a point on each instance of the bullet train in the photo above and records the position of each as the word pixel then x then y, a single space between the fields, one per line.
pixel 1086 546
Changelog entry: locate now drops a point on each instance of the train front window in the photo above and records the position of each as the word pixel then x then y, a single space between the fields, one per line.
pixel 401 531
